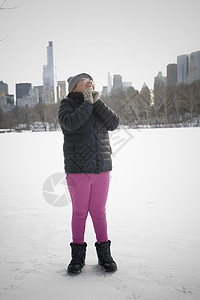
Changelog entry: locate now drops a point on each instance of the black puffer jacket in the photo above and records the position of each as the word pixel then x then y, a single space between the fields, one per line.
pixel 85 127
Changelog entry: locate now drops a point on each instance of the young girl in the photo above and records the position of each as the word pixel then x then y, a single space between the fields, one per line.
pixel 85 120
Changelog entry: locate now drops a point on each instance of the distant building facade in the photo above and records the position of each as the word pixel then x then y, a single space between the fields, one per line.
pixel 3 101
pixel 145 94
pixel 61 90
pixel 40 92
pixel 126 85
pixel 6 99
pixel 117 82
pixel 22 90
pixel 109 87
pixel 159 80
pixel 118 85
pixel 194 67
pixel 3 88
pixel 182 68
pixel 171 75
pixel 188 67
pixel 6 102
pixel 24 98
pixel 159 88
pixel 105 91
pixel 10 99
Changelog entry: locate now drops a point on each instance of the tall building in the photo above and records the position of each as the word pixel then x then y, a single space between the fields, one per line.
pixel 194 67
pixel 22 90
pixel 3 102
pixel 146 94
pixel 171 75
pixel 182 68
pixel 40 92
pixel 117 82
pixel 109 86
pixel 49 77
pixel 6 100
pixel 118 85
pixel 30 98
pixel 61 90
pixel 10 99
pixel 188 67
pixel 160 80
pixel 3 88
pixel 104 91
pixel 126 85
pixel 159 88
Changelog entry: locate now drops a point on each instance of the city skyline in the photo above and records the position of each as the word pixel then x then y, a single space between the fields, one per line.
pixel 186 70
pixel 135 39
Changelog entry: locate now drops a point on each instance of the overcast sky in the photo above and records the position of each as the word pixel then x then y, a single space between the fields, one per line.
pixel 133 38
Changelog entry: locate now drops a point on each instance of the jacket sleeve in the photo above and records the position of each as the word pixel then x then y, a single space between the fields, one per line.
pixel 107 115
pixel 71 119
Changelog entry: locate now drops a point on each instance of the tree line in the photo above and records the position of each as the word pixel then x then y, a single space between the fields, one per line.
pixel 163 107
pixel 41 117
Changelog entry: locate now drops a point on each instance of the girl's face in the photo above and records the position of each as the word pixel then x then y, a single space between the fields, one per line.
pixel 83 85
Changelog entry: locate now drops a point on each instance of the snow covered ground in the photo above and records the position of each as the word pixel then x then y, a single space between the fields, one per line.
pixel 153 219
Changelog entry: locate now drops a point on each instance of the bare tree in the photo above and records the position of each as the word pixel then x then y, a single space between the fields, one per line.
pixel 26 116
pixel 53 115
pixel 124 103
pixel 3 8
pixel 42 114
pixel 10 121
pixel 145 106
pixel 197 100
pixel 173 104
pixel 189 100
pixel 1 118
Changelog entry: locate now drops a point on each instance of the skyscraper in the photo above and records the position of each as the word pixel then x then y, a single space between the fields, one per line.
pixel 160 80
pixel 126 85
pixel 6 100
pixel 182 68
pixel 22 90
pixel 194 67
pixel 145 94
pixel 3 88
pixel 26 95
pixel 109 87
pixel 49 77
pixel 171 75
pixel 61 90
pixel 117 82
pixel 104 91
pixel 188 67
pixel 159 88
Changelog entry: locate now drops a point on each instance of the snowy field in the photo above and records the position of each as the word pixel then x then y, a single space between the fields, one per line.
pixel 153 213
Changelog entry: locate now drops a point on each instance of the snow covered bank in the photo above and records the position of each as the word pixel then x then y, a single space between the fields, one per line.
pixel 153 217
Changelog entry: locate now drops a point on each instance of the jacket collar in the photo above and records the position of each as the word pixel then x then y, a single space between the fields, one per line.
pixel 76 96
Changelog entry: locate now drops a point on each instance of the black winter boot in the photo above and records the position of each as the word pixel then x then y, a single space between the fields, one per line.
pixel 78 252
pixel 104 256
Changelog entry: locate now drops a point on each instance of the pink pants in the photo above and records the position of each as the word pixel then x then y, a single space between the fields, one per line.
pixel 89 194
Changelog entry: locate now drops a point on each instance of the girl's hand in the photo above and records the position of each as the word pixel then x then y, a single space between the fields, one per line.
pixel 95 95
pixel 88 95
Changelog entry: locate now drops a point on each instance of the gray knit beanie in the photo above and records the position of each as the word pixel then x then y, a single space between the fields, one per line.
pixel 73 80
